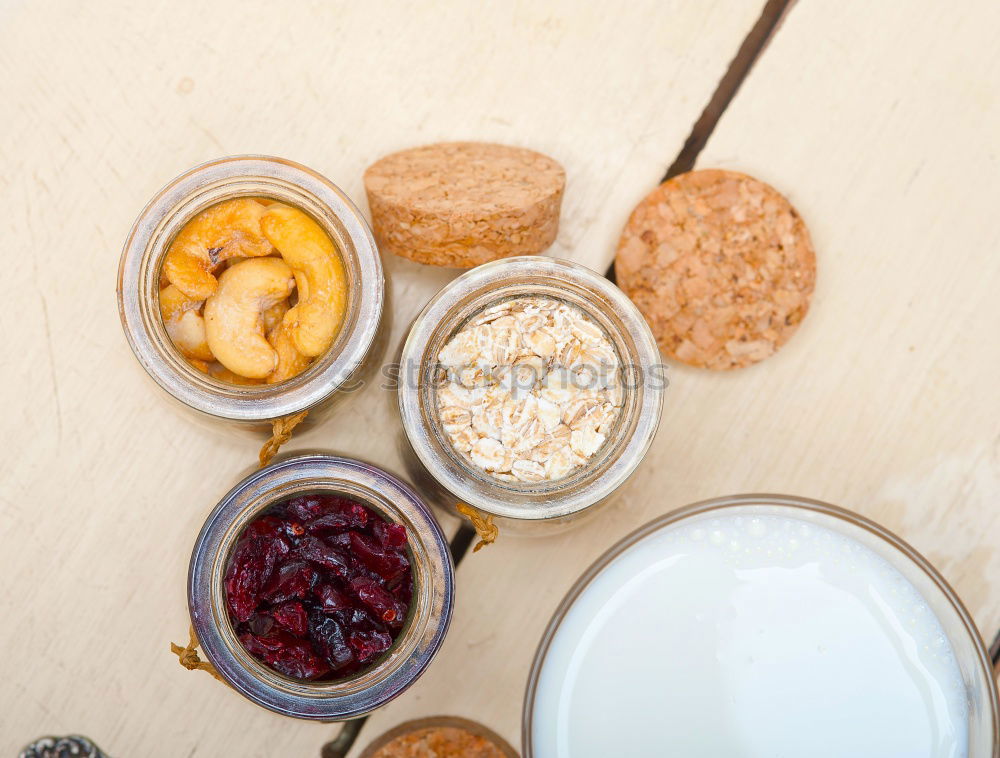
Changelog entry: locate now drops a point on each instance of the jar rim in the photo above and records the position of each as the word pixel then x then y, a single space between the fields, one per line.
pixel 412 651
pixel 487 284
pixel 203 186
pixel 816 508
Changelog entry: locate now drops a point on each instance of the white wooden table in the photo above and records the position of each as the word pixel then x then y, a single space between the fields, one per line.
pixel 881 123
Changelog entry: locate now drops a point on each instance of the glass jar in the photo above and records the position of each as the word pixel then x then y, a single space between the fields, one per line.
pixel 413 649
pixel 435 463
pixel 433 723
pixel 970 653
pixel 167 213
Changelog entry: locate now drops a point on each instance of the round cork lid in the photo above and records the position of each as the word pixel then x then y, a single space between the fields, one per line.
pixel 440 737
pixel 460 204
pixel 721 265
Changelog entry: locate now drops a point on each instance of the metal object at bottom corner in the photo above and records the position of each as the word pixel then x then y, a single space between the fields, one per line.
pixel 73 746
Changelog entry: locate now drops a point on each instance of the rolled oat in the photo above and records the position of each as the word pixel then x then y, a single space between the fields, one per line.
pixel 530 389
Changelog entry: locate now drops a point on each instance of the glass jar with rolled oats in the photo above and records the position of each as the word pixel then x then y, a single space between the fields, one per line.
pixel 530 389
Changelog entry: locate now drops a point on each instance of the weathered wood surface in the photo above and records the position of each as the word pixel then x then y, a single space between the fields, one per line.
pixel 103 484
pixel 881 124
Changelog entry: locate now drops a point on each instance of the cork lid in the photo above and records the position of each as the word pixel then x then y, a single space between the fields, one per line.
pixel 460 204
pixel 721 266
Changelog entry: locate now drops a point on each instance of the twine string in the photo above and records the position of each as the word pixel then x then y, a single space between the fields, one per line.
pixel 189 659
pixel 281 432
pixel 485 528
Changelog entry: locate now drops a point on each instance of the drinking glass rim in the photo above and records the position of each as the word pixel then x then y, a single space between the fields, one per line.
pixel 719 503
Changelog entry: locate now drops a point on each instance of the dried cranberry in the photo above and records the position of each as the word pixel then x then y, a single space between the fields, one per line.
pixel 388 564
pixel 286 654
pixel 261 645
pixel 292 617
pixel 251 566
pixel 389 535
pixel 379 601
pixel 340 517
pixel 356 617
pixel 243 581
pixel 300 662
pixel 315 550
pixel 367 643
pixel 260 624
pixel 342 541
pixel 328 637
pixel 331 599
pixel 292 579
pixel 266 526
pixel 305 507
pixel 319 586
pixel 403 589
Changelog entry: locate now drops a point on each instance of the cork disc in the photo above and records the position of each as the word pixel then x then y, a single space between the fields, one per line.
pixel 460 204
pixel 440 737
pixel 721 265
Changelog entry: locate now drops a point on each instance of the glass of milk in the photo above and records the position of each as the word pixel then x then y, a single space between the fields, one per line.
pixel 761 626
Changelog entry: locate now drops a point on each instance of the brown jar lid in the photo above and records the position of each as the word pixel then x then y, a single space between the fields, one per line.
pixel 720 264
pixel 440 737
pixel 460 204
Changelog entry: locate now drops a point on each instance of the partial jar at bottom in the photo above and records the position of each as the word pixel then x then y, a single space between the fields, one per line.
pixel 417 642
pixel 594 305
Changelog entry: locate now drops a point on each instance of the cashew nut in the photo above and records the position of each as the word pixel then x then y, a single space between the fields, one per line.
pixel 184 323
pixel 290 361
pixel 223 374
pixel 226 230
pixel 273 316
pixel 319 274
pixel 234 315
pixel 220 372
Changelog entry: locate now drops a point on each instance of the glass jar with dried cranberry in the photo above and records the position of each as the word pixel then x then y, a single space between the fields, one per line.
pixel 321 587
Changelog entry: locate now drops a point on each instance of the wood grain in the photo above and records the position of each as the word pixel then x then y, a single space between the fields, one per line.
pixel 104 484
pixel 881 126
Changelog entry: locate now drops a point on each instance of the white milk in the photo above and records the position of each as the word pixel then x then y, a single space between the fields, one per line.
pixel 749 637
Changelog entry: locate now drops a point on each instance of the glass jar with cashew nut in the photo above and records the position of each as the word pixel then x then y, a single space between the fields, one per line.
pixel 530 390
pixel 250 288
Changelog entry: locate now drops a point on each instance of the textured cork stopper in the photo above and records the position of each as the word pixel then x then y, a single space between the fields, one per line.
pixel 460 204
pixel 721 265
